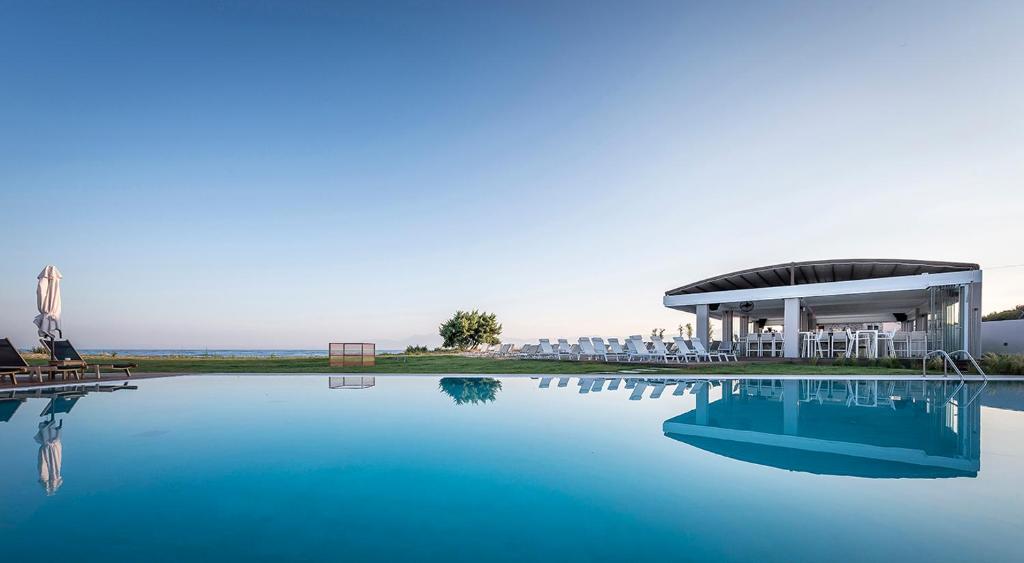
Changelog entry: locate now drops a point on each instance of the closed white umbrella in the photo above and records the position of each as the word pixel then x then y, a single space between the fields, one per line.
pixel 48 302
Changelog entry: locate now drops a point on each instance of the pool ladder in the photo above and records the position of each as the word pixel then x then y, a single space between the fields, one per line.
pixel 947 362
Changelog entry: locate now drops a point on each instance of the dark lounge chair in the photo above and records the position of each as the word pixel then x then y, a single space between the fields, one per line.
pixel 11 362
pixel 67 358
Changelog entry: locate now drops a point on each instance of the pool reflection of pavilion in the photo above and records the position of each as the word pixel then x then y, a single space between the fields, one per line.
pixel 878 429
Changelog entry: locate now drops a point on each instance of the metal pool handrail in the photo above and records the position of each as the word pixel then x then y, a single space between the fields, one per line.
pixel 947 361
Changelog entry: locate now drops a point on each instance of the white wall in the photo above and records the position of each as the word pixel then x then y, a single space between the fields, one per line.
pixel 1003 337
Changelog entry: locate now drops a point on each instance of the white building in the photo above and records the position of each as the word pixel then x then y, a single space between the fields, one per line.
pixel 942 298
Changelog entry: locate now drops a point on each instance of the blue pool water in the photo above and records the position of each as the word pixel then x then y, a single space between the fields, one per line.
pixel 312 468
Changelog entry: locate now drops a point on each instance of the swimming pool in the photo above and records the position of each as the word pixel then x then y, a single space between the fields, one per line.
pixel 458 469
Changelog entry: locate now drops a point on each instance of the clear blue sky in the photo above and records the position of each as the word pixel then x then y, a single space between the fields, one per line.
pixel 284 174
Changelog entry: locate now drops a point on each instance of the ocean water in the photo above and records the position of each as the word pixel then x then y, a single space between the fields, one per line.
pixel 387 468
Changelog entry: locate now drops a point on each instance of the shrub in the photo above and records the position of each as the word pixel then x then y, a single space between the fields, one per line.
pixel 1003 364
pixel 413 350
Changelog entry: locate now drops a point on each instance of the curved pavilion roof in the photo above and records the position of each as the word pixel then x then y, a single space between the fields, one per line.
pixel 818 271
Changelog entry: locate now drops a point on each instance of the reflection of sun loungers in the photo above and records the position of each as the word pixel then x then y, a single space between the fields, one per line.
pixel 638 391
pixel 585 384
pixel 680 388
pixel 563 381
pixel 545 382
pixel 659 388
pixel 613 385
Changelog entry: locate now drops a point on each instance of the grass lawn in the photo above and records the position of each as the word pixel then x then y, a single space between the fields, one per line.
pixel 454 364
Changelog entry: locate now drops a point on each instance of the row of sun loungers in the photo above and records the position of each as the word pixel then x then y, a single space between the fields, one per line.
pixel 634 350
pixel 69 363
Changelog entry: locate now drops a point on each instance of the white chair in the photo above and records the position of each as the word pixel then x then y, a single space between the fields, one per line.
pixel 822 345
pixel 661 350
pixel 753 344
pixel 918 343
pixel 564 349
pixel 840 344
pixel 886 344
pixel 587 349
pixel 852 344
pixel 683 350
pixel 600 349
pixel 726 354
pixel 503 351
pixel 698 348
pixel 545 351
pixel 616 350
pixel 637 350
pixel 527 351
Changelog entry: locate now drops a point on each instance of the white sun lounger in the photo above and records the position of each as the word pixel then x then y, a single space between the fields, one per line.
pixel 698 347
pixel 600 349
pixel 564 349
pixel 638 350
pixel 727 355
pixel 661 350
pixel 683 350
pixel 616 351
pixel 545 350
pixel 587 349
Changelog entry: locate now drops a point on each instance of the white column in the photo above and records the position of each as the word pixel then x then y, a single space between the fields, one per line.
pixel 727 330
pixel 791 327
pixel 702 326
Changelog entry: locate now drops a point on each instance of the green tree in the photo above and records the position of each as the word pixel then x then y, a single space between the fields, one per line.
pixel 470 390
pixel 1007 315
pixel 467 329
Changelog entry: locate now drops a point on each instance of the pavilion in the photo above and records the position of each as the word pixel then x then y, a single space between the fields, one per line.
pixel 942 298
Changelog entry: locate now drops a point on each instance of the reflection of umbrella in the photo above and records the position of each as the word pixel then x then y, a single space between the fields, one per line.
pixel 50 450
pixel 48 301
